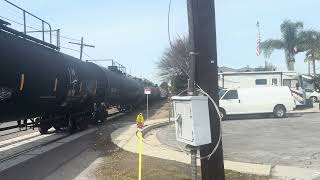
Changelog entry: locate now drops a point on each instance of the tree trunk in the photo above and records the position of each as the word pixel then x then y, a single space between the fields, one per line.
pixel 291 65
pixel 309 66
pixel 289 60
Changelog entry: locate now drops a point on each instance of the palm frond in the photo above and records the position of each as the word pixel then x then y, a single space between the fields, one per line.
pixel 290 31
pixel 309 41
pixel 289 25
pixel 270 45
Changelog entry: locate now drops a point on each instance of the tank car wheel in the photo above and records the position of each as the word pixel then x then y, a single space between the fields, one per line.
pixel 102 116
pixel 83 124
pixel 131 108
pixel 72 125
pixel 43 128
pixel 105 115
pixel 57 127
pixel 121 109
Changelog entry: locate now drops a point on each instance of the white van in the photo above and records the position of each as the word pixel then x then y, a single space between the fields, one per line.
pixel 274 99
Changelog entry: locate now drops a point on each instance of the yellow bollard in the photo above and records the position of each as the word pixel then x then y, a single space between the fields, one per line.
pixel 140 153
pixel 140 125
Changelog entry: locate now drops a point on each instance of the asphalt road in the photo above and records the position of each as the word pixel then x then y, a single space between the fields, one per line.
pixel 292 141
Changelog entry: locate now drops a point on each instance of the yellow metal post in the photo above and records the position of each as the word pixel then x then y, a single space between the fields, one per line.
pixel 140 153
pixel 140 125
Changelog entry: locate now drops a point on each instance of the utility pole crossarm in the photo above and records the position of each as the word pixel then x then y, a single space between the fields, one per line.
pixel 87 45
pixel 82 45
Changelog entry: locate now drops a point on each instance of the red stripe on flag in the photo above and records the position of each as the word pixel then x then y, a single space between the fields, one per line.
pixel 258 45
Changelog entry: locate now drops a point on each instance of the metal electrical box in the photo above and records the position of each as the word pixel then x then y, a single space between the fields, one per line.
pixel 192 119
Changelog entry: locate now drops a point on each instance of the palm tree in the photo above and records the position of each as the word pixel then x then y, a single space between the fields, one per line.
pixel 310 42
pixel 289 42
pixel 312 58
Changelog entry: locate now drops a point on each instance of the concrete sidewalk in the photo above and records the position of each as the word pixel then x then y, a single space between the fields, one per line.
pixel 127 139
pixel 314 109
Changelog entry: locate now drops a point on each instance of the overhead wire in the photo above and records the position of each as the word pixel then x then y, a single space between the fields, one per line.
pixel 19 23
pixel 69 38
pixel 62 36
pixel 63 47
pixel 87 55
pixel 30 19
pixel 37 29
pixel 11 10
pixel 13 13
pixel 16 22
pixel 69 48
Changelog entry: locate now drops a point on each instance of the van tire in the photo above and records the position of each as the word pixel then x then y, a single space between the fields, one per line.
pixel 223 113
pixel 279 111
pixel 314 99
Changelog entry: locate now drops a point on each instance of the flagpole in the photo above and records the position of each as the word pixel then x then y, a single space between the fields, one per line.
pixel 258 45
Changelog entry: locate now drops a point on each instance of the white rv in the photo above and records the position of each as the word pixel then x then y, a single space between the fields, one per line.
pixel 276 100
pixel 234 80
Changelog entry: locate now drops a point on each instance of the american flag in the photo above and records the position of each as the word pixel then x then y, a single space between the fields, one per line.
pixel 258 40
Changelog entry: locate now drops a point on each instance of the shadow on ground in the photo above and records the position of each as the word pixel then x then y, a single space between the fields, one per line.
pixel 257 117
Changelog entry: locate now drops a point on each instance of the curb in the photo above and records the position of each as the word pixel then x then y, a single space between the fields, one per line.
pixel 125 138
pixel 249 168
pixel 154 126
pixel 301 113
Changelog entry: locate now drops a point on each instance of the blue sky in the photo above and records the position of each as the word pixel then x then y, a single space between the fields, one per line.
pixel 135 32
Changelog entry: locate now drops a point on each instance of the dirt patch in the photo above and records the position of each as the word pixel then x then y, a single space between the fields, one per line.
pixel 160 112
pixel 122 165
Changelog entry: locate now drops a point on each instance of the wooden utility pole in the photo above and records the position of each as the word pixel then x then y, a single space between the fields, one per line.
pixel 82 45
pixel 202 34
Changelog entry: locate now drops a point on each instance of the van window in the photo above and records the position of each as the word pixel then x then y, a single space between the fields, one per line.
pixel 274 81
pixel 287 82
pixel 261 81
pixel 309 90
pixel 232 94
pixel 222 92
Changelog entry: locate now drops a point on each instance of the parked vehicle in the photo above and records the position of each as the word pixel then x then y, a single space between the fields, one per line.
pixel 274 99
pixel 291 79
pixel 313 95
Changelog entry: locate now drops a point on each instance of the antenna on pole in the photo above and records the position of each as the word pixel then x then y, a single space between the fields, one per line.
pixel 82 45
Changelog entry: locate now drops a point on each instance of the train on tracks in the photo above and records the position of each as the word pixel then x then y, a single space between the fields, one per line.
pixel 39 82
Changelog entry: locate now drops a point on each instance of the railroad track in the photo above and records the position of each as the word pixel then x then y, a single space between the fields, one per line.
pixel 14 140
pixel 4 129
pixel 7 158
pixel 112 117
